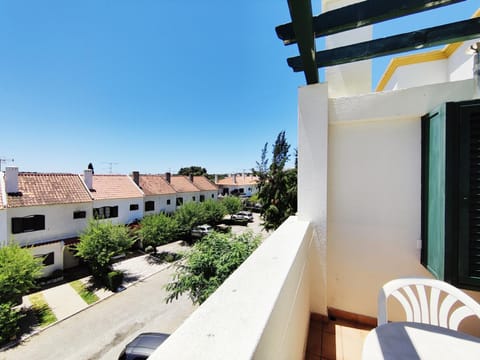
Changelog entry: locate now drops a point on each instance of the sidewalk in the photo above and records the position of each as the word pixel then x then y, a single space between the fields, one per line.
pixel 65 301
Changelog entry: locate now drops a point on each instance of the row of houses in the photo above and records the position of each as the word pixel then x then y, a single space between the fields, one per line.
pixel 47 211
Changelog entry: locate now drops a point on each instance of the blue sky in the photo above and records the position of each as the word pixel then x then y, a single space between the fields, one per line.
pixel 153 85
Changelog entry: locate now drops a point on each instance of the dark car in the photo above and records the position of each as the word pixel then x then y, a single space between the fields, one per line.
pixel 142 346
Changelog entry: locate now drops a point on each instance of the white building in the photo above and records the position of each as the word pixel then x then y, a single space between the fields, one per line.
pixel 185 189
pixel 44 211
pixel 208 190
pixel 3 212
pixel 238 184
pixel 116 198
pixel 159 195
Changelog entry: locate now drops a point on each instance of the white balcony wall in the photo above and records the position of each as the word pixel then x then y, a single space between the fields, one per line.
pixel 371 226
pixel 161 203
pixel 59 222
pixel 260 312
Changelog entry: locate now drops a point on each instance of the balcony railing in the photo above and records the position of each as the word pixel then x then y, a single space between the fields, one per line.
pixel 261 311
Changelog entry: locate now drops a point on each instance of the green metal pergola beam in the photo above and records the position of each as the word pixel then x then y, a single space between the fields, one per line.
pixel 439 35
pixel 356 15
pixel 301 14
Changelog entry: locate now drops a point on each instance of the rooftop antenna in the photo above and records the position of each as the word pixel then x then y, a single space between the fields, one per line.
pixel 110 165
pixel 4 161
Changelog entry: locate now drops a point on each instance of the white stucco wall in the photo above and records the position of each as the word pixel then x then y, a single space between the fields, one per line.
pixel 373 176
pixel 57 249
pixel 161 203
pixel 59 222
pixel 460 64
pixel 125 215
pixel 3 227
pixel 208 195
pixel 419 74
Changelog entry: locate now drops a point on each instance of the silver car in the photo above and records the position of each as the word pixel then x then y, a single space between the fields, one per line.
pixel 201 230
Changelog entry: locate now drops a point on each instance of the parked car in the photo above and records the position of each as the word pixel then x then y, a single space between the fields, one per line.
pixel 243 215
pixel 201 230
pixel 142 346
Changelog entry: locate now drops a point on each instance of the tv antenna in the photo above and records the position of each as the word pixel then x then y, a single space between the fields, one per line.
pixel 110 165
pixel 4 161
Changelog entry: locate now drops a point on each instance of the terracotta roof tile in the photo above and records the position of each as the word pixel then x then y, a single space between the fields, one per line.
pixel 48 189
pixel 155 185
pixel 114 187
pixel 239 180
pixel 204 184
pixel 182 184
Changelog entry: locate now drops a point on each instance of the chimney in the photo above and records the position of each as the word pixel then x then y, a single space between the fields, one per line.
pixel 243 175
pixel 168 177
pixel 234 178
pixel 11 179
pixel 136 177
pixel 216 178
pixel 191 178
pixel 88 178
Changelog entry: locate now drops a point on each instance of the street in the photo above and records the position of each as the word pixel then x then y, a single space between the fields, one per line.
pixel 101 331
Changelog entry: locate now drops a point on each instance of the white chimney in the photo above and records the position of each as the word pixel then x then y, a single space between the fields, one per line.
pixel 11 179
pixel 216 179
pixel 88 178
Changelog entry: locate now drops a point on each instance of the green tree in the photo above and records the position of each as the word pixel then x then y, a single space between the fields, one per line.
pixel 232 203
pixel 9 318
pixel 192 170
pixel 189 215
pixel 100 242
pixel 277 186
pixel 157 230
pixel 210 261
pixel 214 211
pixel 19 271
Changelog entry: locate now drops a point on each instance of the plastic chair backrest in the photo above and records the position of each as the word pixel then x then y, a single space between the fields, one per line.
pixel 433 307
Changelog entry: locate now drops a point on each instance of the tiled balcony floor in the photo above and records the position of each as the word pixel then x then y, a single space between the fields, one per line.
pixel 335 339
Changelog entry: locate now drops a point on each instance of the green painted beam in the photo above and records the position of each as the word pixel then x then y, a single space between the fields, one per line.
pixel 301 14
pixel 360 14
pixel 439 35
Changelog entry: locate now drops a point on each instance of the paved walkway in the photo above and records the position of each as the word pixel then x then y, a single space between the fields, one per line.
pixel 65 301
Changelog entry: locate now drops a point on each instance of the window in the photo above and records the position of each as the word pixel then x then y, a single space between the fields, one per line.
pixel 79 214
pixel 105 212
pixel 450 193
pixel 202 198
pixel 133 207
pixel 179 201
pixel 149 205
pixel 168 201
pixel 193 198
pixel 28 223
pixel 213 196
pixel 47 259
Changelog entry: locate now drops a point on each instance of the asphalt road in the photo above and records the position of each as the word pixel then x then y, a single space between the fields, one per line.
pixel 101 331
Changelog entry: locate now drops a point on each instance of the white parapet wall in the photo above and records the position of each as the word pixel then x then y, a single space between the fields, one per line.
pixel 261 311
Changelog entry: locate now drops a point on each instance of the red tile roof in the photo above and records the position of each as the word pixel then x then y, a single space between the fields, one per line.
pixel 239 180
pixel 204 184
pixel 155 185
pixel 182 184
pixel 114 187
pixel 48 189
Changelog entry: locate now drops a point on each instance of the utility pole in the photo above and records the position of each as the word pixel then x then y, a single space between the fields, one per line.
pixel 4 161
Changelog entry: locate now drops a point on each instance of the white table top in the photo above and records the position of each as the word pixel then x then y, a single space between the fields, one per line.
pixel 408 340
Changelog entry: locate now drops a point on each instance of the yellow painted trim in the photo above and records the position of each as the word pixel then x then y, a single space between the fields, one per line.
pixel 434 55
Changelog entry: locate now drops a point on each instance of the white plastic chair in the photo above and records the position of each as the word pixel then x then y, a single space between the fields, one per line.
pixel 433 307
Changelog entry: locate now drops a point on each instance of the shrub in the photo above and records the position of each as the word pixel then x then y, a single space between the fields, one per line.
pixel 157 230
pixel 114 280
pixel 233 204
pixel 9 319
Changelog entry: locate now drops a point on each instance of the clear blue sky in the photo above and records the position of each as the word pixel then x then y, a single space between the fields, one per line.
pixel 153 85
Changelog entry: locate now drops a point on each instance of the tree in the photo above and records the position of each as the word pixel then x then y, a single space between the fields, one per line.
pixel 157 230
pixel 19 271
pixel 214 211
pixel 100 242
pixel 210 261
pixel 189 215
pixel 232 203
pixel 192 170
pixel 277 186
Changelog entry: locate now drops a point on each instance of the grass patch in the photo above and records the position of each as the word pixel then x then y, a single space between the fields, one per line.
pixel 43 313
pixel 88 296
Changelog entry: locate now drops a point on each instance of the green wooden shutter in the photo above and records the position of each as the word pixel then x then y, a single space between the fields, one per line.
pixel 433 191
pixel 468 114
